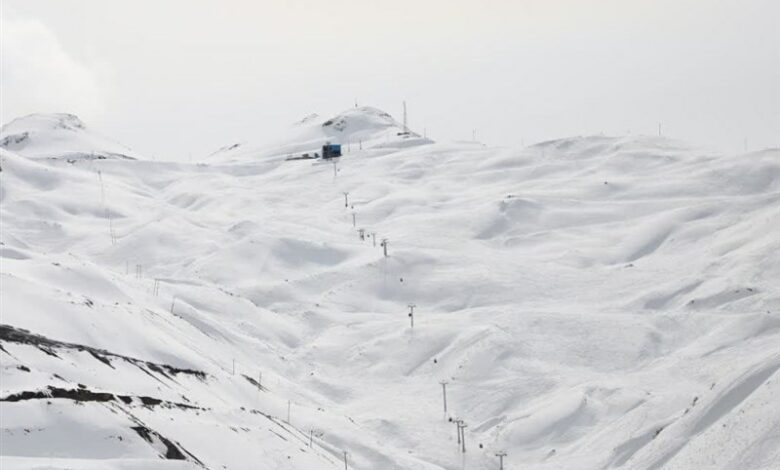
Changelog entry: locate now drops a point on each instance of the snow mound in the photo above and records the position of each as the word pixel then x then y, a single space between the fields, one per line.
pixel 59 136
pixel 360 128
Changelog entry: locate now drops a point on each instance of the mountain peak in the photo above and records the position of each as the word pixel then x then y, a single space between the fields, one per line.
pixel 58 136
pixel 367 126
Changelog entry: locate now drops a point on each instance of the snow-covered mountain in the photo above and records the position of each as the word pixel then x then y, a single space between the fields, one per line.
pixel 592 302
pixel 59 136
pixel 358 128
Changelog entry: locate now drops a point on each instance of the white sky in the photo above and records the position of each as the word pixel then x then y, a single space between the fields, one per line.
pixel 176 78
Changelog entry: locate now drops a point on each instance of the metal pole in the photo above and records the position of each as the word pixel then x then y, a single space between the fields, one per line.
pixel 406 128
pixel 385 241
pixel 411 313
pixel 353 219
pixel 346 194
pixel 457 426
pixel 345 460
pixel 311 437
pixel 462 427
pixel 501 456
pixel 444 394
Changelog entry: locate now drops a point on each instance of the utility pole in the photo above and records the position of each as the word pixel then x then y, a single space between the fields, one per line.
pixel 362 233
pixel 345 460
pixel 411 313
pixel 384 244
pixel 288 411
pixel 311 437
pixel 353 219
pixel 346 194
pixel 406 128
pixel 501 456
pixel 102 189
pixel 444 394
pixel 111 228
pixel 462 427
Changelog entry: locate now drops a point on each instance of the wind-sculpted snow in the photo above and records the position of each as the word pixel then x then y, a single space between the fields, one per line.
pixel 593 303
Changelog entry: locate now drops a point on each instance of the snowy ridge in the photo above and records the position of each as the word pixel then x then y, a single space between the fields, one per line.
pixel 365 127
pixel 60 136
pixel 594 303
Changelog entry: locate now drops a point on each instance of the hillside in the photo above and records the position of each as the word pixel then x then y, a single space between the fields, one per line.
pixel 593 302
pixel 354 128
pixel 59 136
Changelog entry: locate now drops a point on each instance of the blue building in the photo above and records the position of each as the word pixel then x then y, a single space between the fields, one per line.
pixel 331 150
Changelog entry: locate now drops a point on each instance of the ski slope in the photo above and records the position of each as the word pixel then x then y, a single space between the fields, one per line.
pixel 593 303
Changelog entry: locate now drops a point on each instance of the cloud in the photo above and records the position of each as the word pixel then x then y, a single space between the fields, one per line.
pixel 38 74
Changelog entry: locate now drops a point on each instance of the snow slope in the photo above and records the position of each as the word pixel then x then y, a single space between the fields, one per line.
pixel 58 136
pixel 594 303
pixel 362 127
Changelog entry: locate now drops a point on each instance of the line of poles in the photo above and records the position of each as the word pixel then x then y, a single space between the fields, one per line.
pixel 461 426
pixel 459 423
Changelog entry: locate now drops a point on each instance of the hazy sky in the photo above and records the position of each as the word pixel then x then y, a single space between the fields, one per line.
pixel 174 78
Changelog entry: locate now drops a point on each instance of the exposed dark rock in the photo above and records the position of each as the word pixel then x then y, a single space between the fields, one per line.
pixel 77 394
pixel 17 335
pixel 82 394
pixel 149 401
pixel 172 451
pixel 254 382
